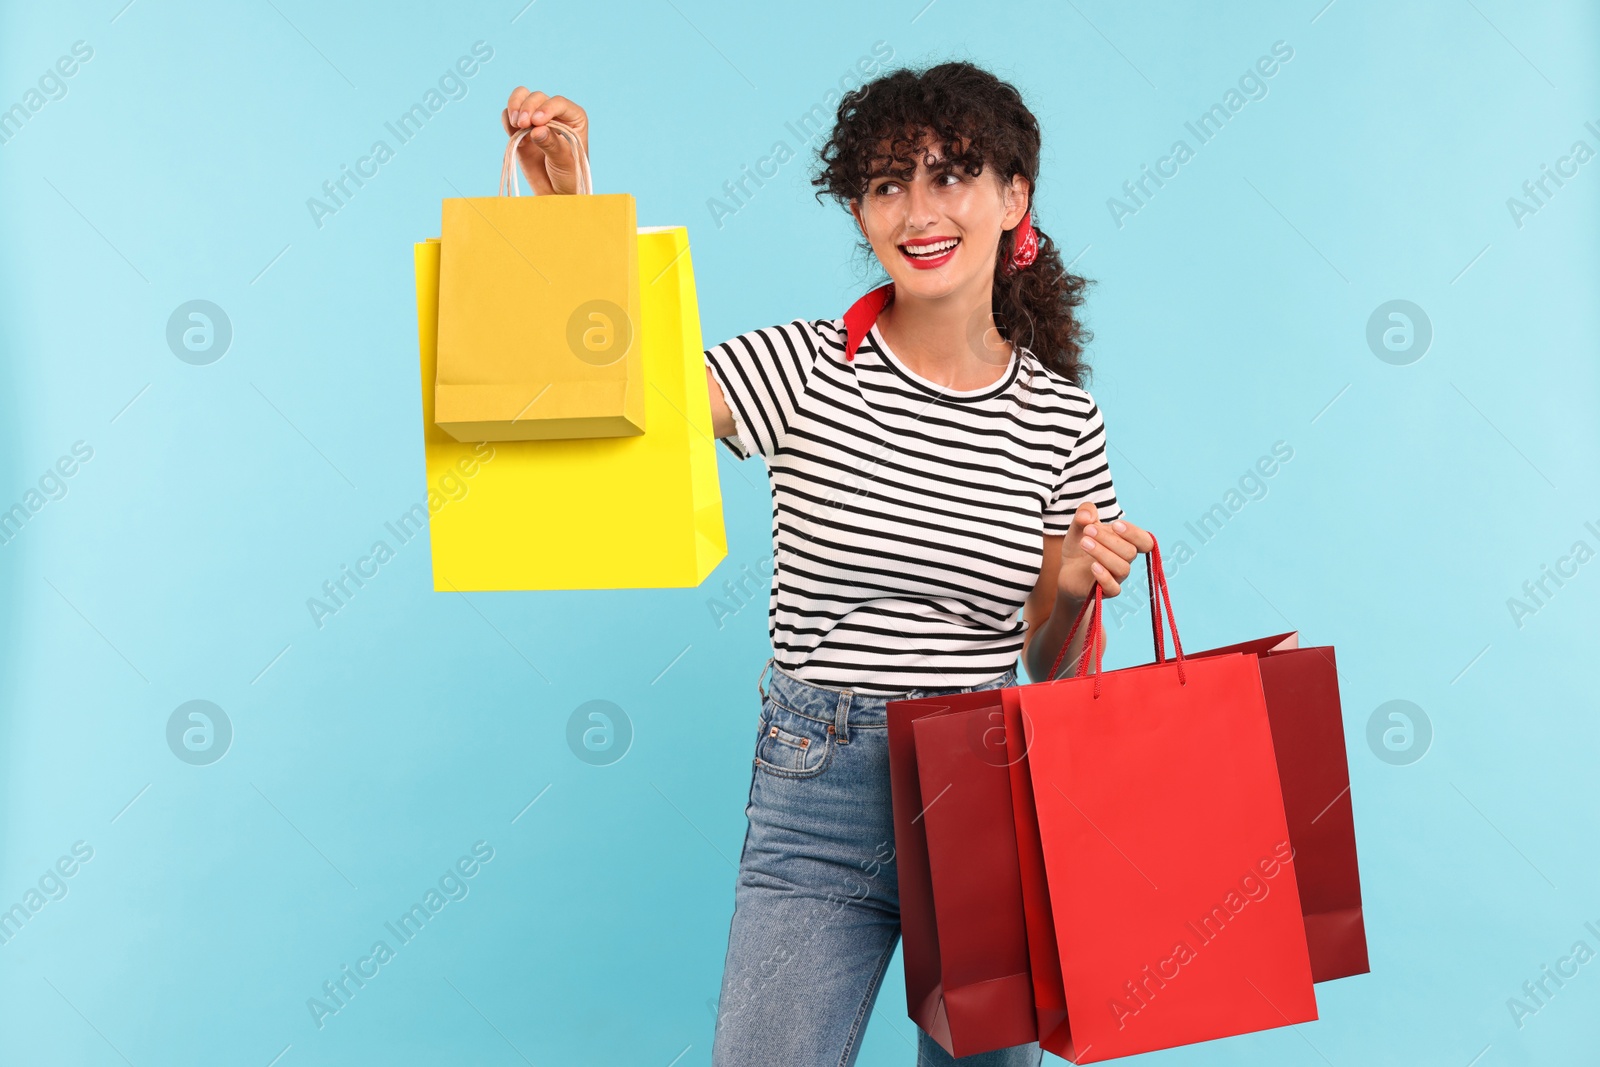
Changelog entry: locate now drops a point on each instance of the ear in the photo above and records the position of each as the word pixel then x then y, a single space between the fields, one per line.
pixel 855 211
pixel 1019 198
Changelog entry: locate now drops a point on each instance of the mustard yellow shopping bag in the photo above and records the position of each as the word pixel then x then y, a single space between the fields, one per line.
pixel 593 513
pixel 539 313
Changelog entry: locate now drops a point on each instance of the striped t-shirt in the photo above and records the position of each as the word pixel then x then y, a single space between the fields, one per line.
pixel 907 519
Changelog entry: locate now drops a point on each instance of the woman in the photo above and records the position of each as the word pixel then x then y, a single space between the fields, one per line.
pixel 936 466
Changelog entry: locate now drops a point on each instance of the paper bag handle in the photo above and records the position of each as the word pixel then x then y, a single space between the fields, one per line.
pixel 1158 580
pixel 1093 607
pixel 511 185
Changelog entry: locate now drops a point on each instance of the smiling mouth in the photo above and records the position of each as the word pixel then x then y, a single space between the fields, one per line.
pixel 936 249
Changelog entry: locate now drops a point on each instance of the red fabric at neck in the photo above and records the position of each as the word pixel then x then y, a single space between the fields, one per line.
pixel 862 314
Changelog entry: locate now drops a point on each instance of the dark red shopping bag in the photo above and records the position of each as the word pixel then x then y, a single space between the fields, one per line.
pixel 1302 691
pixel 1161 829
pixel 964 934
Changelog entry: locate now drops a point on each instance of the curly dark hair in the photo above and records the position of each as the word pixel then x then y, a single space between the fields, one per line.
pixel 981 122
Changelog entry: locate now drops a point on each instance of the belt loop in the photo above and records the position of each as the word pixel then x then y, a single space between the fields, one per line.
pixel 764 668
pixel 841 717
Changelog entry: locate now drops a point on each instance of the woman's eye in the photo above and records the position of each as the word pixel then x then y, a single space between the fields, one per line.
pixel 939 180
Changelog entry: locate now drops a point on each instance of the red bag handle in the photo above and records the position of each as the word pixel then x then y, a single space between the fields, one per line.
pixel 1091 601
pixel 1158 581
pixel 1093 607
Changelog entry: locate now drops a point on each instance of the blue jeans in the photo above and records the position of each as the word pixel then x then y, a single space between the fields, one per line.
pixel 816 914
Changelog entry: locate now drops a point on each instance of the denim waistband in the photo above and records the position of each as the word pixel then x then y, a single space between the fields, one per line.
pixel 846 706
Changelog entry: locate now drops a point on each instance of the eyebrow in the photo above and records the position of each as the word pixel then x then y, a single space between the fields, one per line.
pixel 939 164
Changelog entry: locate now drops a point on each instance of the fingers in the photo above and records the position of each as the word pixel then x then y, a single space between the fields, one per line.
pixel 1109 537
pixel 531 157
pixel 540 109
pixel 1086 514
pixel 1141 539
pixel 1088 537
pixel 556 109
pixel 1111 547
pixel 1107 565
pixel 1111 550
pixel 530 152
pixel 520 107
pixel 510 115
pixel 1120 535
pixel 527 109
pixel 554 145
pixel 548 159
pixel 1109 584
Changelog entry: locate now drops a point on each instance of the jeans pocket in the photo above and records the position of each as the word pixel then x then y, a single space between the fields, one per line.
pixel 792 745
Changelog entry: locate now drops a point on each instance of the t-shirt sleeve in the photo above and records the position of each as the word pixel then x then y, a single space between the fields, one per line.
pixel 764 375
pixel 1086 475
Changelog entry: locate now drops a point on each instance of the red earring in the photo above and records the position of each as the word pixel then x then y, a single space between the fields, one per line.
pixel 1024 245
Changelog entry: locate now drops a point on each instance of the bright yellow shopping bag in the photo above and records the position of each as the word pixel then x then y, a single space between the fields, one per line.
pixel 594 513
pixel 539 313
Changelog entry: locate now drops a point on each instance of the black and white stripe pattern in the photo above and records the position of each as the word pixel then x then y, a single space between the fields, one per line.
pixel 907 519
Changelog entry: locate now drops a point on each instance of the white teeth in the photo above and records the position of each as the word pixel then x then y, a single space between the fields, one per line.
pixel 931 250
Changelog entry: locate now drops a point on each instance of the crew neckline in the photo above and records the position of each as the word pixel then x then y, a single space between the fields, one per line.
pixel 980 393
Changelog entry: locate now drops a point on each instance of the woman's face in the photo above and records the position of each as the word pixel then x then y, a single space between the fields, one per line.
pixel 939 232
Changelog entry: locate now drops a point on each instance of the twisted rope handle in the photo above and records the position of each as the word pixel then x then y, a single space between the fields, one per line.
pixel 1091 642
pixel 1093 607
pixel 511 185
pixel 1088 602
pixel 1158 580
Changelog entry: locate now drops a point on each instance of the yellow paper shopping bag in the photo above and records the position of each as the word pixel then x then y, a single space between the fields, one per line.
pixel 539 313
pixel 594 513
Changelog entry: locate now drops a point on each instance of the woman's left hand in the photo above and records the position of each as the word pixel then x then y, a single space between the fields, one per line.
pixel 1095 553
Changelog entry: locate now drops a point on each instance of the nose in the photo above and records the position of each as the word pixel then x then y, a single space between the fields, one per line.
pixel 921 212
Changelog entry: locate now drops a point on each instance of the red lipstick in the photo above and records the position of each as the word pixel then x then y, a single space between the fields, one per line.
pixel 929 262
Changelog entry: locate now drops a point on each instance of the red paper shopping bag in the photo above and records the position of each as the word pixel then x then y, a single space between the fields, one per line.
pixel 1044 961
pixel 964 934
pixel 1162 833
pixel 1302 690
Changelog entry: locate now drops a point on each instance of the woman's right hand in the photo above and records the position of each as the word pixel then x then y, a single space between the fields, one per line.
pixel 547 158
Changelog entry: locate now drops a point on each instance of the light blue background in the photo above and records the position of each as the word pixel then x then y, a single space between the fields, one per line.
pixel 369 754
